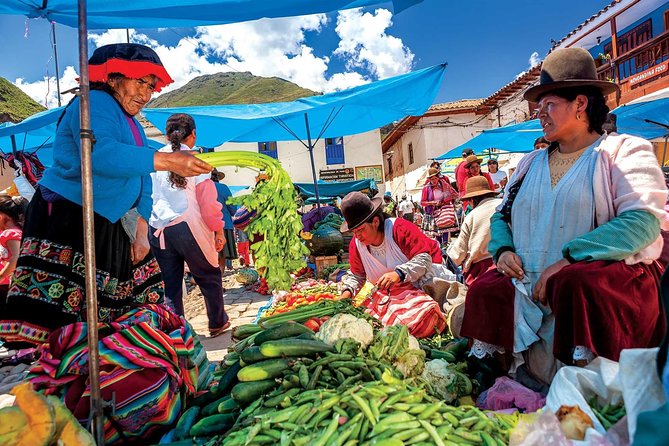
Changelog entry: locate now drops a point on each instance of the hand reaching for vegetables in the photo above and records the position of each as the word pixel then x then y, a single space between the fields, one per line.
pixel 387 280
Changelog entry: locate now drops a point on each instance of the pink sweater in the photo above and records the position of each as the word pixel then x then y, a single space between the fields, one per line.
pixel 210 208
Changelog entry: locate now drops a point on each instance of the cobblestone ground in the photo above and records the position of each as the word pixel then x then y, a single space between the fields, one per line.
pixel 242 307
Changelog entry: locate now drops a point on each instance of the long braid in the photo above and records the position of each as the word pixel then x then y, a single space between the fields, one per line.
pixel 179 126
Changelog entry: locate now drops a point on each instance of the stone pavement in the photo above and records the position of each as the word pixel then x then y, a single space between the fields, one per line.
pixel 242 307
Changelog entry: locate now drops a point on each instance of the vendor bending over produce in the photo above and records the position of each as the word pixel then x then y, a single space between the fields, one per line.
pixel 391 253
pixel 576 238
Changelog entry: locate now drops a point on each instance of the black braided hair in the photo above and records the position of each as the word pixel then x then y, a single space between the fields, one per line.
pixel 179 126
pixel 14 208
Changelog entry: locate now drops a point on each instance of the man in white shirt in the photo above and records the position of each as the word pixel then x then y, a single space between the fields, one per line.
pixel 499 177
pixel 406 208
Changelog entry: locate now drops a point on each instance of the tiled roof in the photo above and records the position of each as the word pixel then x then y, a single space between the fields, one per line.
pixel 460 106
pixel 456 105
pixel 589 20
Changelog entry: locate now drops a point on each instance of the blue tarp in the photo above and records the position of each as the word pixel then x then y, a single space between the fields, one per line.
pixel 179 13
pixel 328 191
pixel 347 112
pixel 648 120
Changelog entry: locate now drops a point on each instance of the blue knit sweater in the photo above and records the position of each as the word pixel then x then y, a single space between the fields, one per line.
pixel 120 168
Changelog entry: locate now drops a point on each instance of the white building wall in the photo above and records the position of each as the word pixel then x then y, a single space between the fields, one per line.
pixel 363 149
pixel 430 142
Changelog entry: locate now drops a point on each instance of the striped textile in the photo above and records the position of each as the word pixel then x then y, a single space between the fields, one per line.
pixel 410 307
pixel 147 365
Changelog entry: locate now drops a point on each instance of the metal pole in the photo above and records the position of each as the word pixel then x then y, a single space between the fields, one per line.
pixel 664 153
pixel 55 58
pixel 127 35
pixel 89 235
pixel 313 165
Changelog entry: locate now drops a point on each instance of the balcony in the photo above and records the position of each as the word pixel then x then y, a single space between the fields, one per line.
pixel 626 68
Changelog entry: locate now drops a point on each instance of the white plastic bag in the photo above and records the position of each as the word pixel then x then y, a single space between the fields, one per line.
pixel 634 380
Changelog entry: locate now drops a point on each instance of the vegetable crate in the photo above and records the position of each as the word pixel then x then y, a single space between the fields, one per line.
pixel 323 262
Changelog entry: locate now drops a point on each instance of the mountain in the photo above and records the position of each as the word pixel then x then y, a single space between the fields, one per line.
pixel 15 105
pixel 231 88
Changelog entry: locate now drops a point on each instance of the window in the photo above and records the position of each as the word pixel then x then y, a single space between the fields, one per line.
pixel 268 148
pixel 334 150
pixel 410 147
pixel 390 166
pixel 635 37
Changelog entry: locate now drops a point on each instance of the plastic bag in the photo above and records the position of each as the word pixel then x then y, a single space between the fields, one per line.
pixel 507 393
pixel 633 380
pixel 539 429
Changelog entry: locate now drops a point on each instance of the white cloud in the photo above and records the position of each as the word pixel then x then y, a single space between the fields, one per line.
pixel 266 47
pixel 270 48
pixel 45 91
pixel 365 43
pixel 534 59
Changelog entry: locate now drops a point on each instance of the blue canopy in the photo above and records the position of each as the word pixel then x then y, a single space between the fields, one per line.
pixel 510 138
pixel 31 133
pixel 347 112
pixel 329 191
pixel 179 13
pixel 648 120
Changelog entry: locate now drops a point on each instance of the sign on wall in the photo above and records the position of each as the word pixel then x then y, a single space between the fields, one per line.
pixel 345 174
pixel 649 73
pixel 369 173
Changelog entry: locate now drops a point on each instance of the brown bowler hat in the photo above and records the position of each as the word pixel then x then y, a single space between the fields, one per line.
pixel 568 67
pixel 476 186
pixel 472 159
pixel 433 171
pixel 358 209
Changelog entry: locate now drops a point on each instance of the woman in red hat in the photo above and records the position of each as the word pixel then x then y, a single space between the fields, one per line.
pixel 576 239
pixel 48 288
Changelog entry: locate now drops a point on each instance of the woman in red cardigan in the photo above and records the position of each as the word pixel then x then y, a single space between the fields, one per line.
pixel 396 257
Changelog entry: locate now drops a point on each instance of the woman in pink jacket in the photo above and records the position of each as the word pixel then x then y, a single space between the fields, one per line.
pixel 186 225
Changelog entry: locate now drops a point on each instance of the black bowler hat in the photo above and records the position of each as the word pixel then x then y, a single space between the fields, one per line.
pixel 568 67
pixel 131 60
pixel 358 209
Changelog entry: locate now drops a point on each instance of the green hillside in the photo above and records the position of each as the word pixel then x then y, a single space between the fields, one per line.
pixel 15 105
pixel 231 88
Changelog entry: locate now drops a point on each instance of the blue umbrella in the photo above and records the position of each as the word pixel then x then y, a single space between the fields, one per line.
pixel 347 112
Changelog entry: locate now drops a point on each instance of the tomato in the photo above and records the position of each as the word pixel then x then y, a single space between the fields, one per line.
pixel 312 324
pixel 324 318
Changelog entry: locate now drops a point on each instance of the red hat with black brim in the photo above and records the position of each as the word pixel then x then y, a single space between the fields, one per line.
pixel 131 60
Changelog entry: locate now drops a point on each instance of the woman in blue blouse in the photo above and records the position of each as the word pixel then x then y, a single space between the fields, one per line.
pixel 48 288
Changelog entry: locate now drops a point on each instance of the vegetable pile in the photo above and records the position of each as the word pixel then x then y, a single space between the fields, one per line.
pixel 277 220
pixel 38 420
pixel 608 414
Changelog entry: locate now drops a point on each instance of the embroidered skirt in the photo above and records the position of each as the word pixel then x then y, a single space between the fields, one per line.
pixel 48 287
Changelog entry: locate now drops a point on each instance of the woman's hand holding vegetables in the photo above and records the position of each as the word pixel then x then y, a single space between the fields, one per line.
pixel 346 294
pixel 182 163
pixel 539 292
pixel 387 280
pixel 510 264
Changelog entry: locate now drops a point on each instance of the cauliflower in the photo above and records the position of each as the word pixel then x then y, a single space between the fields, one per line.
pixel 343 326
pixel 395 345
pixel 447 380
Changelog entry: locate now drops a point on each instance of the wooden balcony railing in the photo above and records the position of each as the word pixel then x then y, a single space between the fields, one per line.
pixel 638 60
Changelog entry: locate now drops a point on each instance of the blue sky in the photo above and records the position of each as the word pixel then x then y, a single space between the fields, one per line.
pixel 486 43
